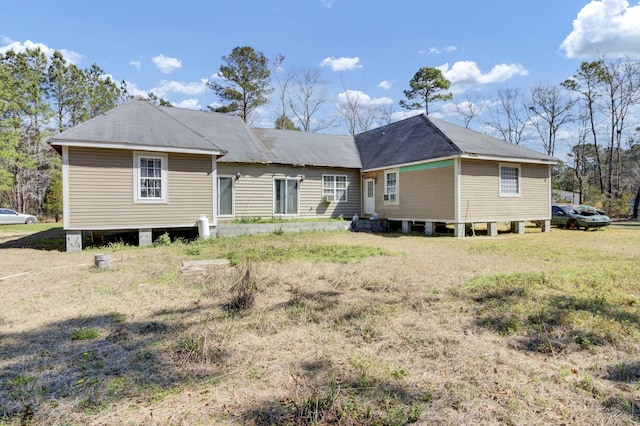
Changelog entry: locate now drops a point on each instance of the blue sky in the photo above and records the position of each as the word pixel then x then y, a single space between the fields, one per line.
pixel 371 47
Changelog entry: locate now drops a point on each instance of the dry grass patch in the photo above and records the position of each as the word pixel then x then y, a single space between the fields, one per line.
pixel 329 328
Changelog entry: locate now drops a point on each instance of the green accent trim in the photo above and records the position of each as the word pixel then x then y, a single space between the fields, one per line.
pixel 427 166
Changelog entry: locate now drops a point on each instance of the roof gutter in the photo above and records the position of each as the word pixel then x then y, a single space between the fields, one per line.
pixel 472 156
pixel 59 142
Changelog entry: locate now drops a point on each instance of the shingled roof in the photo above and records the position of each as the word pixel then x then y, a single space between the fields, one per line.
pixel 227 131
pixel 137 124
pixel 251 145
pixel 421 137
pixel 309 149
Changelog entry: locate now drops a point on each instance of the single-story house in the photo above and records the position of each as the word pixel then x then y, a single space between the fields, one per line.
pixel 278 173
pixel 427 170
pixel 144 167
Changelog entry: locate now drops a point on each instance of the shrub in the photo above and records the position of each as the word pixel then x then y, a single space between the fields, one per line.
pixel 162 241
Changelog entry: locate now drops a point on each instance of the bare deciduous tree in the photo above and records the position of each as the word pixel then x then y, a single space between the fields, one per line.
pixel 347 108
pixel 281 84
pixel 307 94
pixel 386 114
pixel 468 110
pixel 549 110
pixel 621 81
pixel 359 114
pixel 508 116
pixel 585 82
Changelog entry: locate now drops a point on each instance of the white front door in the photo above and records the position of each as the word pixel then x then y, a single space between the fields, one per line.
pixel 369 196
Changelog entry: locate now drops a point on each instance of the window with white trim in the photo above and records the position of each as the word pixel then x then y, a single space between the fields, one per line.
pixel 391 186
pixel 225 195
pixel 150 177
pixel 335 187
pixel 285 196
pixel 509 180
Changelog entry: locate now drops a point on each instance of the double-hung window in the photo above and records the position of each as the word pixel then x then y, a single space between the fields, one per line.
pixel 285 196
pixel 334 187
pixel 391 186
pixel 225 195
pixel 150 177
pixel 509 180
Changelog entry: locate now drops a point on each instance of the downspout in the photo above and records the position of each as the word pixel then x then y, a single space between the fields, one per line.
pixel 214 190
pixel 65 187
pixel 457 195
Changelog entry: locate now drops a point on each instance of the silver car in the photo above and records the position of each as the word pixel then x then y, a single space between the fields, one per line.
pixel 11 216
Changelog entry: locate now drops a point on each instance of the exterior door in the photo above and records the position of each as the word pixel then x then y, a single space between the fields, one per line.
pixel 369 196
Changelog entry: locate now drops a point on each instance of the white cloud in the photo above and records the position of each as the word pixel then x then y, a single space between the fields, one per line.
pixel 362 99
pixel 437 51
pixel 168 87
pixel 166 64
pixel 402 114
pixel 468 72
pixel 214 105
pixel 107 76
pixel 188 104
pixel 171 86
pixel 341 64
pixel 605 27
pixel 17 46
pixel 328 3
pixel 217 77
pixel 136 64
pixel 71 56
pixel 503 72
pixel 385 85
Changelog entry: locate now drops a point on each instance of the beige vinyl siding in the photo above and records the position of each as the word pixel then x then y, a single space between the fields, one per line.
pixel 253 192
pixel 102 184
pixel 423 195
pixel 480 198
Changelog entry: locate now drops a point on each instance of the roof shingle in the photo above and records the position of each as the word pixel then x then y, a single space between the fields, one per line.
pixel 422 138
pixel 139 124
pixel 142 125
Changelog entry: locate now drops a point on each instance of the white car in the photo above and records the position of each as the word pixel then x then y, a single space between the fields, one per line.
pixel 11 216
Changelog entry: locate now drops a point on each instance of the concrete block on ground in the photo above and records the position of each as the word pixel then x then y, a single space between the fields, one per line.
pixel 199 267
pixel 428 228
pixel 517 226
pixel 546 225
pixel 74 240
pixel 145 237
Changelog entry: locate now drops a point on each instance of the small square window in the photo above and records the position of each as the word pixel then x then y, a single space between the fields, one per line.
pixel 335 186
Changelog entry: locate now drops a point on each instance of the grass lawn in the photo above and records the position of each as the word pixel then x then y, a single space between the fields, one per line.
pixel 323 328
